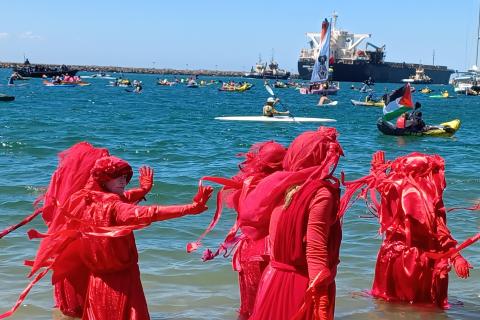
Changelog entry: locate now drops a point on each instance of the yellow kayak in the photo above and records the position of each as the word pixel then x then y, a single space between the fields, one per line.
pixel 380 104
pixel 446 129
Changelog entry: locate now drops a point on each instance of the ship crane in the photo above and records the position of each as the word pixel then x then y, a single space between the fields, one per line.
pixel 382 48
pixel 361 37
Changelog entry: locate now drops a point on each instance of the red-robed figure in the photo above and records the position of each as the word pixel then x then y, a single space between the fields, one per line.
pixel 71 175
pixel 414 259
pixel 94 237
pixel 251 255
pixel 297 207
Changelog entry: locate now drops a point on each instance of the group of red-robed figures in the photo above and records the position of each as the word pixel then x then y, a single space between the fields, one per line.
pixel 289 214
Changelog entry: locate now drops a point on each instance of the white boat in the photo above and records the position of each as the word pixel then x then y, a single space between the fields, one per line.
pixel 468 82
pixel 274 119
pixel 419 77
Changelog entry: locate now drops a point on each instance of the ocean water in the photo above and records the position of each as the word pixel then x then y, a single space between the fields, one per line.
pixel 173 130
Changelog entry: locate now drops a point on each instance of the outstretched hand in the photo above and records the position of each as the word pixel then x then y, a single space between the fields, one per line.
pixel 201 198
pixel 462 267
pixel 378 159
pixel 145 179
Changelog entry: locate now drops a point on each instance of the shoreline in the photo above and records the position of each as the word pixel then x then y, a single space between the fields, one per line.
pixel 113 69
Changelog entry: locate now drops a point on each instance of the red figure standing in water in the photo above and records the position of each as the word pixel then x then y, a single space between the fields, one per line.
pixel 299 208
pixel 251 255
pixel 418 250
pixel 97 226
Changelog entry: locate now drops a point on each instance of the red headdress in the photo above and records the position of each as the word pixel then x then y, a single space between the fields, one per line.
pixel 311 156
pixel 71 175
pixel 411 185
pixel 110 167
pixel 261 160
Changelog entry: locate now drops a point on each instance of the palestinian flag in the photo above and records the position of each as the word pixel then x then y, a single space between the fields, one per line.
pixel 398 102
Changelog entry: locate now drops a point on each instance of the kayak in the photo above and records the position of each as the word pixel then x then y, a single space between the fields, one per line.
pixel 446 129
pixel 333 103
pixel 59 85
pixel 4 97
pixel 274 119
pixel 368 104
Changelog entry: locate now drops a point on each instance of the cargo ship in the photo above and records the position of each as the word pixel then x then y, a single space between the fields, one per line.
pixel 349 63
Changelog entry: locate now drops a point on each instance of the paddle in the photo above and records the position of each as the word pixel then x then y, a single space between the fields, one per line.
pixel 270 91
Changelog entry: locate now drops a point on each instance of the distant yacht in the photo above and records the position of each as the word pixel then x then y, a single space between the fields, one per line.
pixel 468 82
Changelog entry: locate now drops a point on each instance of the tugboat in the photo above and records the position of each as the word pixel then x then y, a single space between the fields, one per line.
pixel 419 78
pixel 270 71
pixel 42 71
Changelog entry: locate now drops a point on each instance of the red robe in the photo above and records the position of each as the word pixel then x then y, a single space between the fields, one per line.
pixel 250 260
pixel 403 271
pixel 303 244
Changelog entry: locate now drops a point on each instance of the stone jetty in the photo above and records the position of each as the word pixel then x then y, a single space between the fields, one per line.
pixel 111 69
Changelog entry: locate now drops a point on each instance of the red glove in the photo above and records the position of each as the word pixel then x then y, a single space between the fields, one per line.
pixel 198 206
pixel 321 304
pixel 462 267
pixel 378 159
pixel 145 182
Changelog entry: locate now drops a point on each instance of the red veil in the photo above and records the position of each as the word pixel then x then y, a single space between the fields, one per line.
pixel 262 159
pixel 412 263
pixel 71 175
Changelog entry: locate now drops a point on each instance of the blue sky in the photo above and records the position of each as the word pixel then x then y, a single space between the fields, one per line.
pixel 229 35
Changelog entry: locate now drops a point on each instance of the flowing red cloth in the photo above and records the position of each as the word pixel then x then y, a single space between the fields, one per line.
pixel 305 232
pixel 413 261
pixel 251 256
pixel 98 234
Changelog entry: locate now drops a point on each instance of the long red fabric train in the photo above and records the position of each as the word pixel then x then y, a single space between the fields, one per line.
pixel 97 233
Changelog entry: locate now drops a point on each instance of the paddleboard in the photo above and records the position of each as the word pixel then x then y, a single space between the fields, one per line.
pixel 333 103
pixel 274 119
pixel 438 96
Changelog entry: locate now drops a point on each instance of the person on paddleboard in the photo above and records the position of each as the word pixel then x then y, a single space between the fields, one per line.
pixel 269 108
pixel 324 99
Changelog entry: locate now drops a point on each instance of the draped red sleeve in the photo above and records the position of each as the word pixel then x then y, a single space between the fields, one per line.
pixel 322 216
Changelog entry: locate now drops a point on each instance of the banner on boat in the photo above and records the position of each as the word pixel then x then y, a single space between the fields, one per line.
pixel 320 69
pixel 398 102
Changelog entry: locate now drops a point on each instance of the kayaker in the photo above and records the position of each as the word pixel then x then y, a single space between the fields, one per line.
pixel 370 98
pixel 324 99
pixel 415 121
pixel 269 108
pixel 401 121
pixel 445 94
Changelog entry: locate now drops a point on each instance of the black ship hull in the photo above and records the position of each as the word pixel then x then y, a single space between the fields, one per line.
pixel 46 73
pixel 387 72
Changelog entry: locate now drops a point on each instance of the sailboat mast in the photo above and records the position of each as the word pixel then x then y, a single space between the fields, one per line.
pixel 478 37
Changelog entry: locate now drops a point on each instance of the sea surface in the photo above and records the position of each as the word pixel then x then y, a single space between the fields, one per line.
pixel 173 130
